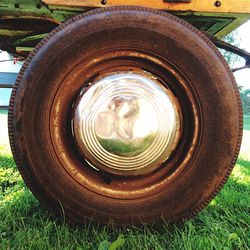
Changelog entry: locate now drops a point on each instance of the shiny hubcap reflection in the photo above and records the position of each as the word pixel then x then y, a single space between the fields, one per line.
pixel 126 123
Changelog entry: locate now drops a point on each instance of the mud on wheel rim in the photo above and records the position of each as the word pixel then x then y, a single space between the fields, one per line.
pixel 149 42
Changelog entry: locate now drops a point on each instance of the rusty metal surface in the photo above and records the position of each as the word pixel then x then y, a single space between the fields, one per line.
pixel 23 32
pixel 231 48
pixel 98 181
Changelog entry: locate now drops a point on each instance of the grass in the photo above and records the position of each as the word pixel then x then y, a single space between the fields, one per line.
pixel 224 224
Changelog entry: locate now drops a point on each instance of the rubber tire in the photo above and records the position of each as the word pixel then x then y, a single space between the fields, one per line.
pixel 210 78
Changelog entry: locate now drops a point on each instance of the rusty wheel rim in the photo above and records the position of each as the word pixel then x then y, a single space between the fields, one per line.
pixel 115 184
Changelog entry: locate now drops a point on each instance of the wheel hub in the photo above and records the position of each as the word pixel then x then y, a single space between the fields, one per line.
pixel 126 123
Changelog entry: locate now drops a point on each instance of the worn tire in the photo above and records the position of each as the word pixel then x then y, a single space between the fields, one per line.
pixel 40 107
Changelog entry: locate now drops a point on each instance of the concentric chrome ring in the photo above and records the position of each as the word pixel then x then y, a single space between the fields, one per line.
pixel 126 123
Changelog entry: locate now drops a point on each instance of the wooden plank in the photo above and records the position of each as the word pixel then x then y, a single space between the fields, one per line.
pixel 232 26
pixel 225 6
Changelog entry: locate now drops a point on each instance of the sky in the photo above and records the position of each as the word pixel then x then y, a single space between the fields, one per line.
pixel 8 66
pixel 242 76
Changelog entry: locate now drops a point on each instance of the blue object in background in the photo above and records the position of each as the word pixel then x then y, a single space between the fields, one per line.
pixel 7 81
pixel 5 97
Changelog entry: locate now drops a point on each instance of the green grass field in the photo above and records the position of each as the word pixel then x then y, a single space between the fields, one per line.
pixel 24 224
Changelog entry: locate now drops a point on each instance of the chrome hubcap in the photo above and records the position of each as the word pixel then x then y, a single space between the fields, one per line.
pixel 126 123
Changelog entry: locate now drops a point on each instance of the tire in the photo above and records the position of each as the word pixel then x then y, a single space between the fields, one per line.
pixel 120 39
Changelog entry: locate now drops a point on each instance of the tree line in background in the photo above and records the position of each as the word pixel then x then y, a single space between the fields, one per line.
pixel 232 60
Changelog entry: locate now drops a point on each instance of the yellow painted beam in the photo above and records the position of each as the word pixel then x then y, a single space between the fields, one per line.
pixel 225 6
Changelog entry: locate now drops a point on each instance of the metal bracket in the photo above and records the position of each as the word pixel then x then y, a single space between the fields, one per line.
pixel 231 48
